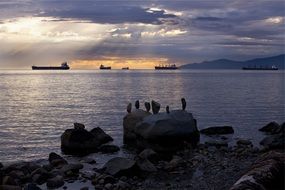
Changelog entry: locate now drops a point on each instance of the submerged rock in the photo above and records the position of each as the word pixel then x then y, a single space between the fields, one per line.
pixel 220 130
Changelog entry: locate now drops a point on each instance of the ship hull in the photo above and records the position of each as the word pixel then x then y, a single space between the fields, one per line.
pixel 258 69
pixel 49 68
pixel 105 68
pixel 165 68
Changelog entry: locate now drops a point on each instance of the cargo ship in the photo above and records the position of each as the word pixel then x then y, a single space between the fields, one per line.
pixel 273 67
pixel 166 67
pixel 125 68
pixel 64 66
pixel 102 67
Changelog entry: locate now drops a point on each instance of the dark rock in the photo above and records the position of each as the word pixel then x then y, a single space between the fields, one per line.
pixel 147 106
pixel 56 160
pixel 78 142
pixel 272 128
pixel 174 163
pixel 8 180
pixel 274 141
pixel 217 130
pixel 129 108
pixel 244 142
pixel 137 104
pixel 84 188
pixel 1 165
pixel 79 126
pixel 71 168
pixel 31 186
pixel 216 143
pixel 122 185
pixel 145 165
pixel 55 182
pixel 155 107
pixel 88 160
pixel 100 135
pixel 183 101
pixel 26 167
pixel 108 148
pixel 108 186
pixel 40 176
pixel 10 187
pixel 120 166
pixel 167 109
pixel 150 155
pixel 167 132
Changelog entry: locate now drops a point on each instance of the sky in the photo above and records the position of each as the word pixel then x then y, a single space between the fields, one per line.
pixel 137 34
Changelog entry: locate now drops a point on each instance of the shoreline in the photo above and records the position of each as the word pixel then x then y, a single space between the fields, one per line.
pixel 212 165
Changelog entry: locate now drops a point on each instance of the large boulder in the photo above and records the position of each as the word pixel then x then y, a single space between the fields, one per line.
pixel 166 132
pixel 130 121
pixel 274 141
pixel 80 141
pixel 219 130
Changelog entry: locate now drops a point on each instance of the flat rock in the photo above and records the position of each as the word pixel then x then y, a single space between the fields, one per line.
pixel 119 166
pixel 219 130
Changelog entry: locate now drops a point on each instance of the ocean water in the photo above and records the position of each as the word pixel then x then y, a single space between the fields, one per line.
pixel 37 106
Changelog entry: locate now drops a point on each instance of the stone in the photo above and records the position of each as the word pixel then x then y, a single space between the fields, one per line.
pixel 8 180
pixel 108 148
pixel 272 128
pixel 74 168
pixel 147 106
pixel 219 130
pixel 88 160
pixel 1 165
pixel 129 123
pixel 119 166
pixel 145 165
pixel 10 187
pixel 81 142
pixel 100 135
pixel 167 109
pixel 129 108
pixel 155 107
pixel 123 185
pixel 167 132
pixel 55 182
pixel 137 104
pixel 40 175
pixel 79 126
pixel 108 186
pixel 149 154
pixel 244 142
pixel 183 101
pixel 31 186
pixel 274 141
pixel 84 188
pixel 175 162
pixel 216 143
pixel 56 160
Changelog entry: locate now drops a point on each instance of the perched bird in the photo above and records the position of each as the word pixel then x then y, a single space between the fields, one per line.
pixel 183 101
pixel 167 109
pixel 129 108
pixel 137 104
pixel 147 106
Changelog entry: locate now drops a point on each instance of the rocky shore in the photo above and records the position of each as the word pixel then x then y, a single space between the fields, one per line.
pixel 187 165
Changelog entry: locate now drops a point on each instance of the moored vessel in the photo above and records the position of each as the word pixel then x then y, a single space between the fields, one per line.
pixel 64 66
pixel 125 68
pixel 102 67
pixel 273 67
pixel 166 67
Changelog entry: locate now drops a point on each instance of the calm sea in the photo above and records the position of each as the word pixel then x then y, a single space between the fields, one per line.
pixel 37 106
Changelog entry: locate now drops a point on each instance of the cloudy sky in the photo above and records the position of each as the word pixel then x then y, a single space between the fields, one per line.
pixel 138 34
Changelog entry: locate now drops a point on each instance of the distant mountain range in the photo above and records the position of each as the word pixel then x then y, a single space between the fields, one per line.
pixel 278 61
